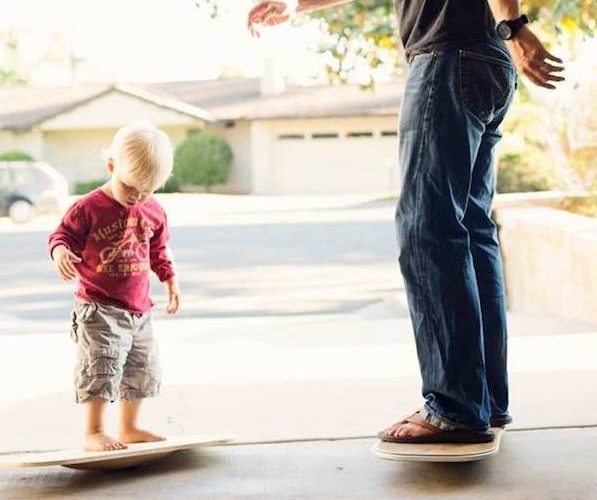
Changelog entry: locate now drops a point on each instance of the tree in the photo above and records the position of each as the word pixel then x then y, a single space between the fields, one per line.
pixel 362 34
pixel 365 30
pixel 9 75
pixel 212 6
pixel 203 159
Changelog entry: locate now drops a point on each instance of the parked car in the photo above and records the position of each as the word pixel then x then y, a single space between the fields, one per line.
pixel 30 188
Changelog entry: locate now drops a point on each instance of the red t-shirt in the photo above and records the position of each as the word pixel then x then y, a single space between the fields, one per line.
pixel 118 245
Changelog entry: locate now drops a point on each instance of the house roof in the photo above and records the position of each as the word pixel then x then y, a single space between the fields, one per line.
pixel 241 99
pixel 21 108
pixel 24 107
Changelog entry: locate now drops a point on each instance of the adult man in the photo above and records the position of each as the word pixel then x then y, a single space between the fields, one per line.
pixel 461 79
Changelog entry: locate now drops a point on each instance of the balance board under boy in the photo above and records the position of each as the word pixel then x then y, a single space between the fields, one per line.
pixel 443 452
pixel 135 454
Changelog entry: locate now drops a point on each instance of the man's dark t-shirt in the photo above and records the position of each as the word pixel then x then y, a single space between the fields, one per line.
pixel 427 25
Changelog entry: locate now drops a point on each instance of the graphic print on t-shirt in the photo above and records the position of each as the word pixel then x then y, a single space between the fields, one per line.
pixel 123 247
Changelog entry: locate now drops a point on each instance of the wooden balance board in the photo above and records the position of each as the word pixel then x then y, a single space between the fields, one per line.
pixel 445 452
pixel 135 454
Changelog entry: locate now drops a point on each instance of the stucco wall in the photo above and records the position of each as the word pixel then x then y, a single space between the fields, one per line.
pixel 550 261
pixel 239 139
pixel 77 153
pixel 30 142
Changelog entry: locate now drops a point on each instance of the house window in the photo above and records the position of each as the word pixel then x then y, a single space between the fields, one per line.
pixel 285 137
pixel 389 133
pixel 325 135
pixel 359 134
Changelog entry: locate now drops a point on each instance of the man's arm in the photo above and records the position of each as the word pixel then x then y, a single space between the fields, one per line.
pixel 312 5
pixel 270 13
pixel 527 51
pixel 504 9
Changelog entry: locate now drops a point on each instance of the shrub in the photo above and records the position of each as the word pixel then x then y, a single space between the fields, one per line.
pixel 584 166
pixel 528 161
pixel 16 156
pixel 582 205
pixel 86 187
pixel 516 175
pixel 203 159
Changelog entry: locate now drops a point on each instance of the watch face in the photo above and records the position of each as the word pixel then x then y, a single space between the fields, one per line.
pixel 504 30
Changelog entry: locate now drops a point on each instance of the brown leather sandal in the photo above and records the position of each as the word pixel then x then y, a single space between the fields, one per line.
pixel 439 436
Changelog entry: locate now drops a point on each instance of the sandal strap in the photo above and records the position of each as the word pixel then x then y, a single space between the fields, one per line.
pixel 404 420
pixel 416 419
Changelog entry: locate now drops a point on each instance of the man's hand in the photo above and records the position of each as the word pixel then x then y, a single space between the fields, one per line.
pixel 64 261
pixel 266 13
pixel 173 293
pixel 530 57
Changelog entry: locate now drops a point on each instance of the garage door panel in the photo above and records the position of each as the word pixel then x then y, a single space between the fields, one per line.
pixel 351 165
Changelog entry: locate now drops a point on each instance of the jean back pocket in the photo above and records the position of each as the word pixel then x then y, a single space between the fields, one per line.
pixel 486 84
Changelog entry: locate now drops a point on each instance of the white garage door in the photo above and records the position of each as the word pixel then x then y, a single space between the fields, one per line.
pixel 331 162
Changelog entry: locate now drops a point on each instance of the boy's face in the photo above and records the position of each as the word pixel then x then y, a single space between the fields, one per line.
pixel 125 190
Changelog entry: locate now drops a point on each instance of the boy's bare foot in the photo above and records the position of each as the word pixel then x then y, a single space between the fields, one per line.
pixel 139 436
pixel 99 441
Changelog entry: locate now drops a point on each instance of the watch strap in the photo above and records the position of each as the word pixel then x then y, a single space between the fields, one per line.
pixel 517 24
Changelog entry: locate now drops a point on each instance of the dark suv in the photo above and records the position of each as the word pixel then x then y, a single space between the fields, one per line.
pixel 29 188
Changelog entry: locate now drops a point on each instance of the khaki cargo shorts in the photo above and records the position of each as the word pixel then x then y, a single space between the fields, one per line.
pixel 116 353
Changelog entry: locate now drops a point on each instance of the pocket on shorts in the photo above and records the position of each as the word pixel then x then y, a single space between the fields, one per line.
pixel 85 311
pixel 74 326
pixel 82 313
pixel 486 83
pixel 103 361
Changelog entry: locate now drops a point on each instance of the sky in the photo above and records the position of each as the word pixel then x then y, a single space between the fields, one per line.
pixel 150 40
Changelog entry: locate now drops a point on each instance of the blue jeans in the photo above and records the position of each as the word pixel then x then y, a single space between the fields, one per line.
pixel 453 104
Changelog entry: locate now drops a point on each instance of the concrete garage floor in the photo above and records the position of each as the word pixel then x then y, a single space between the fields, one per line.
pixel 294 339
pixel 543 465
pixel 304 424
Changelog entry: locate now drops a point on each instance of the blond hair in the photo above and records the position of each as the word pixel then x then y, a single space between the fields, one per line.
pixel 141 153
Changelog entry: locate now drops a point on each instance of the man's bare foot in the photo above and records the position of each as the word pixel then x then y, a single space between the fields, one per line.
pixel 99 441
pixel 139 436
pixel 412 429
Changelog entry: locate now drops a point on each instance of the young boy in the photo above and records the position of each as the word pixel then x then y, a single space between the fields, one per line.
pixel 108 241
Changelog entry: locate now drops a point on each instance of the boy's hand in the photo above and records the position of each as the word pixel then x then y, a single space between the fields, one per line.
pixel 173 292
pixel 64 262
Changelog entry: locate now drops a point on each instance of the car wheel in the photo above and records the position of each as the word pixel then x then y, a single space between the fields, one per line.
pixel 20 211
